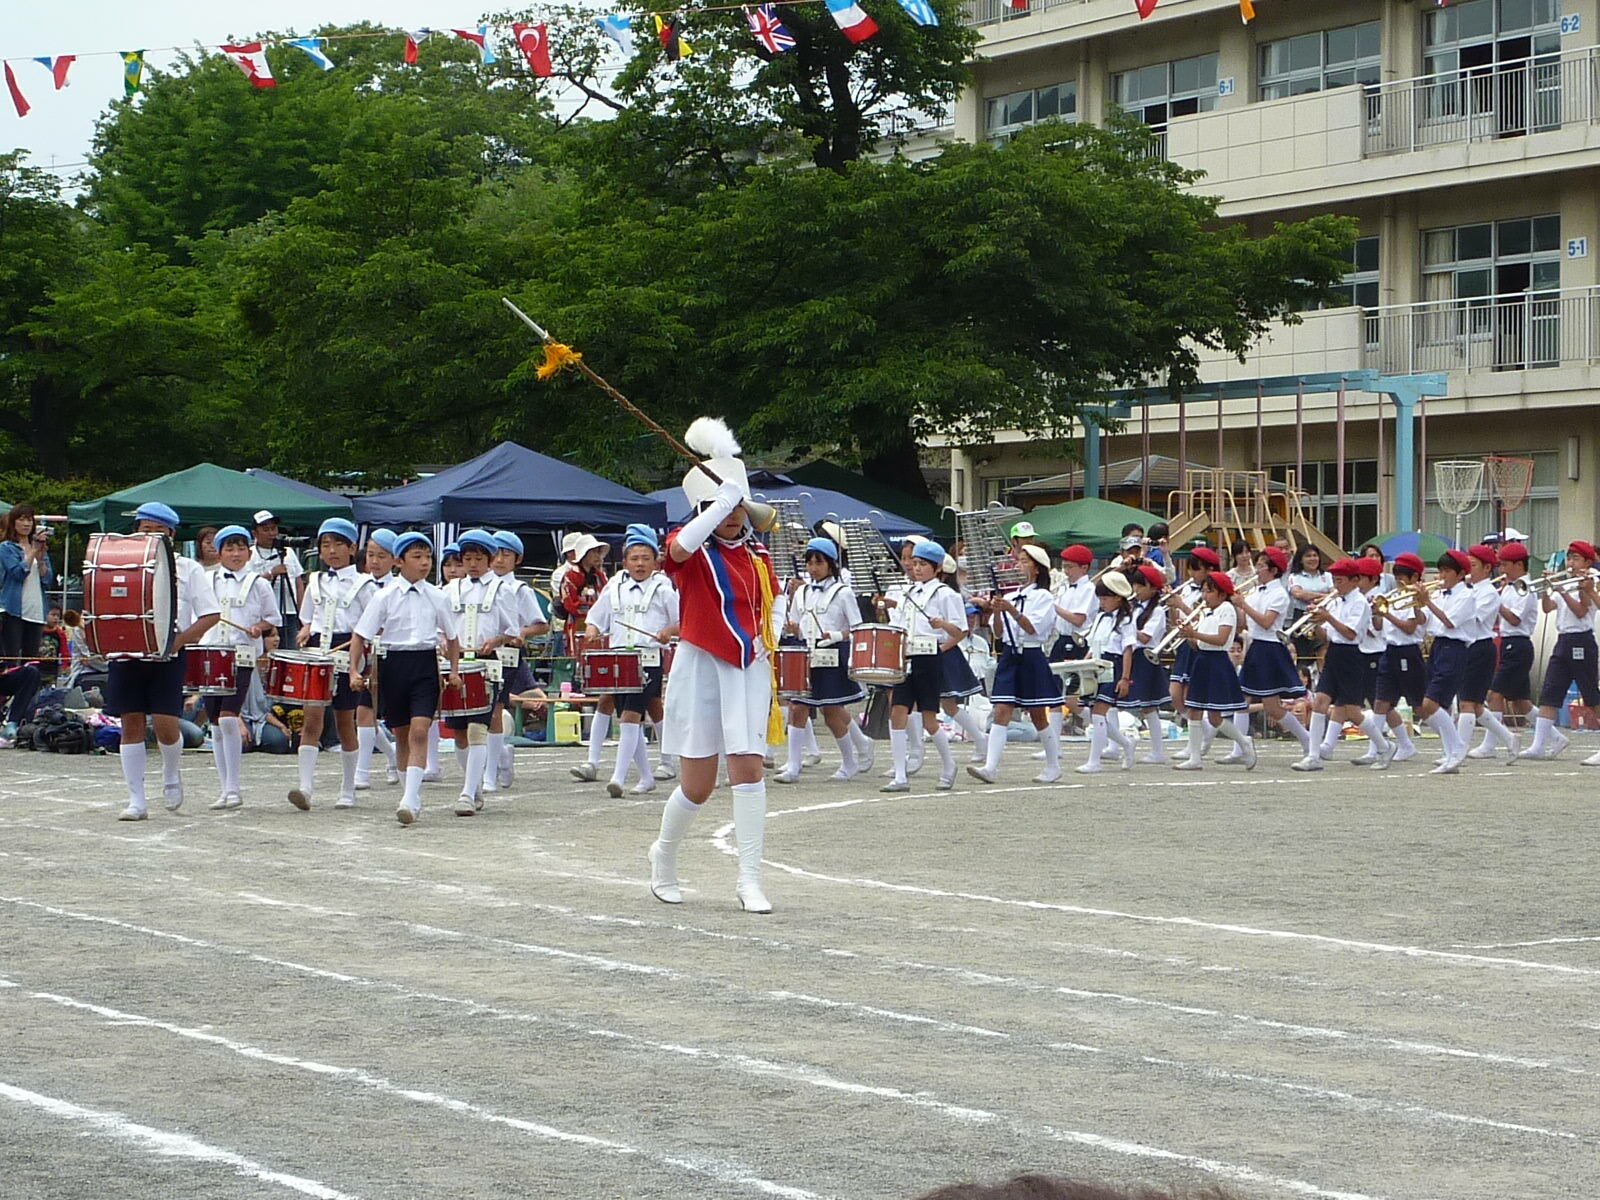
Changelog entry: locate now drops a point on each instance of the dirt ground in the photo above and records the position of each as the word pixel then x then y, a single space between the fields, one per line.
pixel 1338 985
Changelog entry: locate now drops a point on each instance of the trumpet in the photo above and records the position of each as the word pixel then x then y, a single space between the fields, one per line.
pixel 1309 618
pixel 1406 595
pixel 1116 564
pixel 1558 581
pixel 1165 652
pixel 1519 586
pixel 1573 582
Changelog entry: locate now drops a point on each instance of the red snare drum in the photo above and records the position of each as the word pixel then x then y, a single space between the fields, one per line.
pixel 667 653
pixel 298 677
pixel 794 671
pixel 878 654
pixel 611 672
pixel 130 596
pixel 474 698
pixel 210 670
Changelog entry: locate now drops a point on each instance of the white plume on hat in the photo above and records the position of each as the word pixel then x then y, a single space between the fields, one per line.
pixel 710 437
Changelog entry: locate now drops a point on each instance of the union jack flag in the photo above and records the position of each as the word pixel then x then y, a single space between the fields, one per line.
pixel 768 30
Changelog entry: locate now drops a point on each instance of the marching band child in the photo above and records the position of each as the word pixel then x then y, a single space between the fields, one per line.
pixel 334 600
pixel 1213 687
pixel 960 682
pixel 1369 579
pixel 450 562
pixel 821 614
pixel 1201 562
pixel 1343 678
pixel 1402 671
pixel 1111 637
pixel 1075 612
pixel 486 619
pixel 449 568
pixel 1147 680
pixel 1269 673
pixel 581 584
pixel 532 622
pixel 141 690
pixel 637 609
pixel 379 561
pixel 1478 673
pixel 1573 660
pixel 249 612
pixel 413 618
pixel 935 622
pixel 1511 690
pixel 1454 614
pixel 1024 625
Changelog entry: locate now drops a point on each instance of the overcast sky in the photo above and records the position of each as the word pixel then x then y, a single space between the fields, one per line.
pixel 59 129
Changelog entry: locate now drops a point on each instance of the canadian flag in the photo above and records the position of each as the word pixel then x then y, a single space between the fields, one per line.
pixel 534 43
pixel 853 22
pixel 252 60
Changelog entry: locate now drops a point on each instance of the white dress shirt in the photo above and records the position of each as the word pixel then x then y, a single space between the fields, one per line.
pixel 334 601
pixel 1109 634
pixel 195 597
pixel 1224 617
pixel 825 611
pixel 650 604
pixel 1407 610
pixel 1569 622
pixel 529 604
pixel 1273 599
pixel 1039 606
pixel 1486 602
pixel 1526 607
pixel 1353 610
pixel 929 599
pixel 1457 604
pixel 1153 630
pixel 244 598
pixel 1371 639
pixel 1077 598
pixel 484 608
pixel 408 616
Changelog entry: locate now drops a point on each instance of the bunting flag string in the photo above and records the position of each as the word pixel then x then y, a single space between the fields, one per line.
pixel 58 67
pixel 1144 7
pixel 313 47
pixel 414 40
pixel 252 60
pixel 534 42
pixel 18 101
pixel 479 37
pixel 671 40
pixel 132 72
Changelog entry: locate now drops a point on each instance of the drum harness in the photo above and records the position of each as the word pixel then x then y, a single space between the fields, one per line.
pixel 229 604
pixel 473 611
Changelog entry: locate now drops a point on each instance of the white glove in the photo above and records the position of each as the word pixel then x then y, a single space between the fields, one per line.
pixel 724 500
pixel 729 494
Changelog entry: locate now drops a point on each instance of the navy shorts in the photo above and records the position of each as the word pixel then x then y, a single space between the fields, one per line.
pixel 1344 674
pixel 408 686
pixel 1478 673
pixel 1573 662
pixel 1445 670
pixel 216 706
pixel 1402 675
pixel 638 702
pixel 1513 677
pixel 920 688
pixel 138 685
pixel 345 698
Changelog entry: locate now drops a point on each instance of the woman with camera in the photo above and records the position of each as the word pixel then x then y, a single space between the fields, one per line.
pixel 24 575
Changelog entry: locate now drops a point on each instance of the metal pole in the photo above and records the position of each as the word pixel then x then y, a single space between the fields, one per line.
pixel 1300 434
pixel 1422 460
pixel 1144 438
pixel 1219 429
pixel 1338 438
pixel 1183 441
pixel 1260 464
pixel 1383 475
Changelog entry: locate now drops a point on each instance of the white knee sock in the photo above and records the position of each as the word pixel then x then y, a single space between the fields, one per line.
pixel 1197 738
pixel 947 760
pixel 597 737
pixel 1319 731
pixel 413 794
pixel 1097 740
pixel 133 756
pixel 433 748
pixel 811 738
pixel 1052 741
pixel 171 760
pixel 797 748
pixel 858 736
pixel 1398 731
pixel 1330 738
pixel 750 828
pixel 1158 745
pixel 497 745
pixel 847 752
pixel 914 736
pixel 1372 726
pixel 1543 728
pixel 1241 722
pixel 997 746
pixel 1496 730
pixel 628 737
pixel 1114 734
pixel 641 757
pixel 232 745
pixel 508 759
pixel 968 724
pixel 366 741
pixel 477 759
pixel 386 744
pixel 349 760
pixel 1228 731
pixel 897 747
pixel 307 756
pixel 1465 724
pixel 1290 724
pixel 1441 724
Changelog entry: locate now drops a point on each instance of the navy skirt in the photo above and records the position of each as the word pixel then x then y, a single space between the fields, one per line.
pixel 1148 684
pixel 833 685
pixel 1107 691
pixel 1183 668
pixel 1025 679
pixel 1269 670
pixel 956 678
pixel 1214 684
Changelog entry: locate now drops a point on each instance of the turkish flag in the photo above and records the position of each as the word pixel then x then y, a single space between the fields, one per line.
pixel 535 46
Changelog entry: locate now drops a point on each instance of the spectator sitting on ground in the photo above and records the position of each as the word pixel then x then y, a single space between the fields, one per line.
pixel 1050 1187
pixel 53 658
pixel 535 710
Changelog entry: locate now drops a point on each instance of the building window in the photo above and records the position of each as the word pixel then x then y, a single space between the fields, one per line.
pixel 1539 517
pixel 1005 115
pixel 1319 483
pixel 1161 91
pixel 1500 258
pixel 996 487
pixel 1496 64
pixel 1316 62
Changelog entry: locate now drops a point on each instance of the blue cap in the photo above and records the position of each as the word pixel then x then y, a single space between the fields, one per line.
pixel 407 540
pixel 384 538
pixel 231 531
pixel 450 548
pixel 157 511
pixel 340 528
pixel 504 539
pixel 641 535
pixel 825 547
pixel 929 552
pixel 482 539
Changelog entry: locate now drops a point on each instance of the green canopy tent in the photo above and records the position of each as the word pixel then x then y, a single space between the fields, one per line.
pixel 209 495
pixel 1096 523
pixel 820 473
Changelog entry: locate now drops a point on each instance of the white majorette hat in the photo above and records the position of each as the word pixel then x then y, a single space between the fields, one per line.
pixel 711 438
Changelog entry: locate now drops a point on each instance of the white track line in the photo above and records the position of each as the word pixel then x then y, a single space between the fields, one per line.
pixel 720 838
pixel 1552 941
pixel 166 1143
pixel 723 1171
pixel 964 1115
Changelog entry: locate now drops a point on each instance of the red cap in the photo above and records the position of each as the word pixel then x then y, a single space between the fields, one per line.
pixel 1584 548
pixel 1484 554
pixel 1153 575
pixel 1079 554
pixel 1221 581
pixel 1369 568
pixel 1346 567
pixel 1513 552
pixel 1462 562
pixel 1207 555
pixel 1409 562
pixel 1277 558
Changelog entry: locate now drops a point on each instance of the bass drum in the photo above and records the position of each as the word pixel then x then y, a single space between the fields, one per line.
pixel 130 596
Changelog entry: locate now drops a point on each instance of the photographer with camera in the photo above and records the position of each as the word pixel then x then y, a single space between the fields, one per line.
pixel 24 575
pixel 280 565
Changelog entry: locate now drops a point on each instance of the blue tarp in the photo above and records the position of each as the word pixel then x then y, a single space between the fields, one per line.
pixel 295 485
pixel 817 504
pixel 512 487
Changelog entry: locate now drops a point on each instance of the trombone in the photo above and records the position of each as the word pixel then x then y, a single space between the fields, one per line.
pixel 1165 652
pixel 1309 617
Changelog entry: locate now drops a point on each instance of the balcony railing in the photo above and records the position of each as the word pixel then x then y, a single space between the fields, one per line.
pixel 1486 333
pixel 992 12
pixel 1505 100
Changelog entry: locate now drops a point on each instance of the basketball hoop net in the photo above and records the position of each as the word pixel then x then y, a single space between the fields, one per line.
pixel 1509 480
pixel 1459 485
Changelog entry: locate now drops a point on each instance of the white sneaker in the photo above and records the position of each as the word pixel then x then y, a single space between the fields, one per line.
pixel 504 779
pixel 946 782
pixel 405 814
pixel 1405 753
pixel 172 796
pixel 1155 760
pixel 983 774
pixel 1086 769
pixel 584 772
pixel 133 813
pixel 842 775
pixel 391 775
pixel 300 799
pixel 1532 754
pixel 866 759
pixel 663 883
pixel 1448 767
pixel 1365 760
pixel 913 766
pixel 1562 741
pixel 1592 761
pixel 644 787
pixel 466 806
pixel 489 784
pixel 345 802
pixel 1485 751
pixel 812 759
pixel 362 783
pixel 1187 764
pixel 1309 763
pixel 896 785
pixel 1232 756
pixel 220 803
pixel 784 777
pixel 433 777
pixel 888 774
pixel 751 898
pixel 1249 756
pixel 663 771
pixel 1048 777
pixel 1037 756
pixel 1387 757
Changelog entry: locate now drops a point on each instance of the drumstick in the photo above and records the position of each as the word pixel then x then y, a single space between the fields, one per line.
pixel 640 632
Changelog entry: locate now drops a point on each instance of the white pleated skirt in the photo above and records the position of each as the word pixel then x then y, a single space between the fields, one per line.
pixel 714 707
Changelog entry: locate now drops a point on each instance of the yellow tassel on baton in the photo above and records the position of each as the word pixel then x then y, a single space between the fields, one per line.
pixel 557 358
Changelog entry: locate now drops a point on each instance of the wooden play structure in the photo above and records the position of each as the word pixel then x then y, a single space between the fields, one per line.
pixel 1223 506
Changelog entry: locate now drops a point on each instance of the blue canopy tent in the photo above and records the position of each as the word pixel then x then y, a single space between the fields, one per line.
pixel 817 503
pixel 512 487
pixel 294 485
